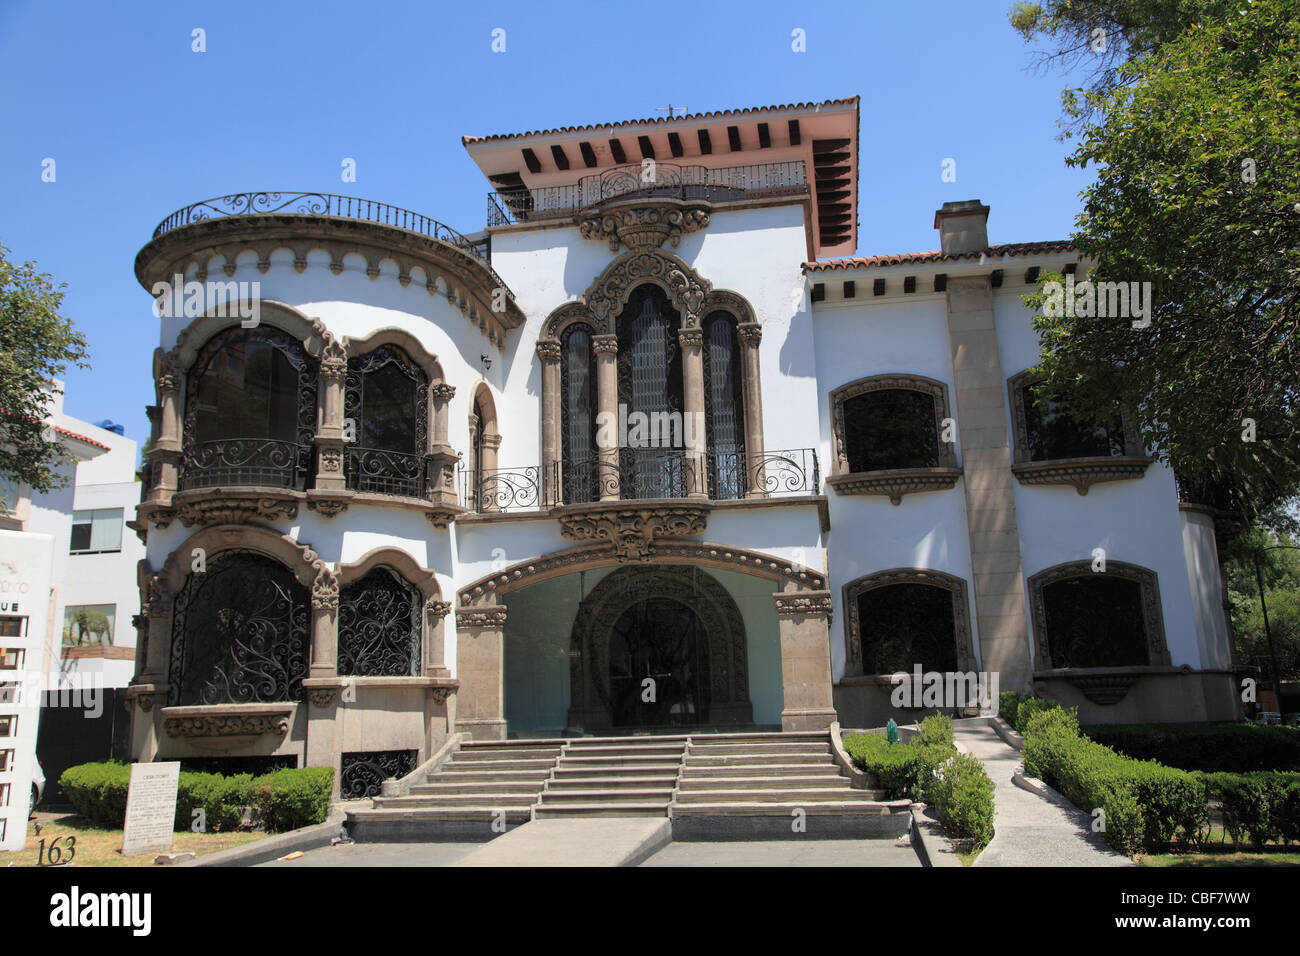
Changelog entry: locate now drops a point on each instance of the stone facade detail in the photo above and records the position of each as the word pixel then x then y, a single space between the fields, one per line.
pixel 896 482
pixel 646 225
pixel 631 529
pixel 801 603
pixel 226 722
pixel 1082 473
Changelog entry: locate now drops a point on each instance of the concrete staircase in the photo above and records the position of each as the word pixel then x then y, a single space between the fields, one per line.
pixel 711 786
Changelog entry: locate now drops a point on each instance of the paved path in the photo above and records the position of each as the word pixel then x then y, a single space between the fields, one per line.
pixel 1031 830
pixel 584 841
pixel 381 854
pixel 782 853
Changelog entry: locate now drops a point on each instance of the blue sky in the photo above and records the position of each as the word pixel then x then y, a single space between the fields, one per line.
pixel 140 125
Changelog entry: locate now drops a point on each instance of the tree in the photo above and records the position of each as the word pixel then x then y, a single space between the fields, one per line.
pixel 1198 193
pixel 36 345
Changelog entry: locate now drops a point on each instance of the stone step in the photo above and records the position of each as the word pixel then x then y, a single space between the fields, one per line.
pixel 761 736
pixel 693 771
pixel 623 750
pixel 480 766
pixel 792 797
pixel 489 785
pixel 622 760
pixel 611 782
pixel 640 795
pixel 549 742
pixel 565 771
pixel 476 775
pixel 499 800
pixel 603 810
pixel 791 781
pixel 786 808
pixel 505 753
pixel 479 812
pixel 754 759
pixel 639 740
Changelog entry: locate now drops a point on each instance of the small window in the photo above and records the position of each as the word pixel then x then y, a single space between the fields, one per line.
pixel 11 626
pixel 890 423
pixel 1052 434
pixel 11 658
pixel 9 494
pixel 9 725
pixel 11 692
pixel 6 760
pixel 96 531
pixel 89 625
pixel 1085 618
pixel 4 794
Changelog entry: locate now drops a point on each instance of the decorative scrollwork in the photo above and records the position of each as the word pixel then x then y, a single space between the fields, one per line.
pixel 362 775
pixel 379 626
pixel 502 489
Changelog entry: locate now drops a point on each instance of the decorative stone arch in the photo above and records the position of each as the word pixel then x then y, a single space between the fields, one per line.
pixel 1152 615
pixel 623 589
pixel 433 638
pixel 405 341
pixel 893 482
pixel 159 590
pixel 485 490
pixel 955 586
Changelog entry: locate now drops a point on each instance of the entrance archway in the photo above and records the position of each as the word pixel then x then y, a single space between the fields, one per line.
pixel 674 624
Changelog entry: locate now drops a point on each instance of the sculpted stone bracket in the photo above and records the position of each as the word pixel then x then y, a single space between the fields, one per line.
pixel 213 506
pixel 803 604
pixel 645 224
pixel 1082 473
pixel 493 615
pixel 630 528
pixel 896 482
pixel 1104 689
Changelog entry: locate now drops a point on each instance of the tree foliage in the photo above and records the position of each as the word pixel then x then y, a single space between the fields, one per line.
pixel 36 345
pixel 1198 193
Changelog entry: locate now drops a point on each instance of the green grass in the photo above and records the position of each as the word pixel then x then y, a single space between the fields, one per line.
pixel 99 847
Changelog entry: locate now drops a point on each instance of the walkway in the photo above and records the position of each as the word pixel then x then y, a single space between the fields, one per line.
pixel 1030 830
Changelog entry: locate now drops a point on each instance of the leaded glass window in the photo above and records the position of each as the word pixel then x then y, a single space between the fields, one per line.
pixel 903 625
pixel 386 399
pixel 724 408
pixel 379 626
pixel 890 428
pixel 578 413
pixel 1095 621
pixel 240 632
pixel 1051 433
pixel 650 387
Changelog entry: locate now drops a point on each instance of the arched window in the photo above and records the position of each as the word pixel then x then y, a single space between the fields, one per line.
pixel 240 633
pixel 724 408
pixel 578 414
pixel 386 397
pixel 1047 433
pixel 889 422
pixel 907 617
pixel 250 411
pixel 1087 618
pixel 476 432
pixel 379 626
pixel 652 463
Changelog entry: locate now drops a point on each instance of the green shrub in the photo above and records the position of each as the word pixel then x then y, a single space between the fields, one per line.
pixel 1261 806
pixel 1008 704
pixel 935 729
pixel 283 799
pixel 963 797
pixel 894 766
pixel 1238 748
pixel 1028 707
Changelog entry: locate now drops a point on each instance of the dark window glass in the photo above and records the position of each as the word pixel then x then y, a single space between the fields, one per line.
pixel 664 640
pixel 890 428
pixel 578 409
pixel 1051 433
pixel 379 627
pixel 903 625
pixel 386 398
pixel 1095 621
pixel 248 390
pixel 724 408
pixel 650 385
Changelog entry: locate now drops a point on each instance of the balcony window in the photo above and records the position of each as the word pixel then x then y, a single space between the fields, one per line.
pixel 386 399
pixel 96 531
pixel 578 413
pixel 651 464
pixel 1087 618
pixel 250 413
pixel 380 626
pixel 724 408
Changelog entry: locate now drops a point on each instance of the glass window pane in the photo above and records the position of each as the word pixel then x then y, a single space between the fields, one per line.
pixel 8 495
pixel 81 524
pixel 890 428
pixel 106 530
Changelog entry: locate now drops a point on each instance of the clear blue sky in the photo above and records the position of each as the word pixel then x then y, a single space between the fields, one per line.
pixel 139 125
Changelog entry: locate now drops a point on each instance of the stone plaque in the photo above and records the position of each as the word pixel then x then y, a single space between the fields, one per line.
pixel 151 807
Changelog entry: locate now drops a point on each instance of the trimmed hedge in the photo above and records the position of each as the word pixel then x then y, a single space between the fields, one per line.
pixel 928 768
pixel 1237 748
pixel 281 800
pixel 1263 805
pixel 1145 805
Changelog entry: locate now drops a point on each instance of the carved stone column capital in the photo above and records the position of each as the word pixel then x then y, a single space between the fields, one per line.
pixel 751 333
pixel 691 337
pixel 548 350
pixel 605 344
pixel 325 591
pixel 333 361
pixel 442 392
pixel 435 608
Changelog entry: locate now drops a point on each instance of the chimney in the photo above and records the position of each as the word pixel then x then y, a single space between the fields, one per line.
pixel 963 226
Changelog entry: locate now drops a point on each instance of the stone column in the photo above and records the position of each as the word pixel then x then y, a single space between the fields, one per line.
pixel 693 424
pixel 166 451
pixel 981 404
pixel 324 624
pixel 751 334
pixel 804 623
pixel 489 468
pixel 606 347
pixel 441 488
pixel 480 666
pixel 330 429
pixel 323 688
pixel 552 442
pixel 434 663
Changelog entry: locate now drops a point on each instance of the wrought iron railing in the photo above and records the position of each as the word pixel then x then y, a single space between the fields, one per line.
pixel 660 180
pixel 262 462
pixel 386 472
pixel 329 204
pixel 502 489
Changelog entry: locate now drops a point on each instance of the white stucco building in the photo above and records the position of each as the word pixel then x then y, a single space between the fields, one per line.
pixel 414 484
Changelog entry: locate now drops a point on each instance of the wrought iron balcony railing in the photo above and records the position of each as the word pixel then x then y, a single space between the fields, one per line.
pixel 662 180
pixel 328 204
pixel 261 462
pixel 386 472
pixel 641 474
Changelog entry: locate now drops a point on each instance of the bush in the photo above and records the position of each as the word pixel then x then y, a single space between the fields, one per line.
pixel 1008 704
pixel 893 765
pixel 963 798
pixel 935 729
pixel 1238 748
pixel 1263 805
pixel 1029 706
pixel 282 800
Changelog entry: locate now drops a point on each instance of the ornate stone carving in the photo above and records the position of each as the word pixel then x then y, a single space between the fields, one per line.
pixel 333 361
pixel 331 459
pixel 631 529
pixel 435 608
pixel 605 344
pixel 322 697
pixel 751 333
pixel 440 694
pixel 227 724
pixel 548 350
pixel 799 603
pixel 325 590
pixel 691 338
pixel 221 506
pixel 329 507
pixel 441 391
pixel 895 483
pixel 1105 689
pixel 610 292
pixel 489 616
pixel 647 224
pixel 1082 473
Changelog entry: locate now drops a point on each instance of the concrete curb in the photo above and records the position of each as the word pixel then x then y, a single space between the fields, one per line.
pixel 1040 789
pixel 928 839
pixel 1009 736
pixel 274 847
